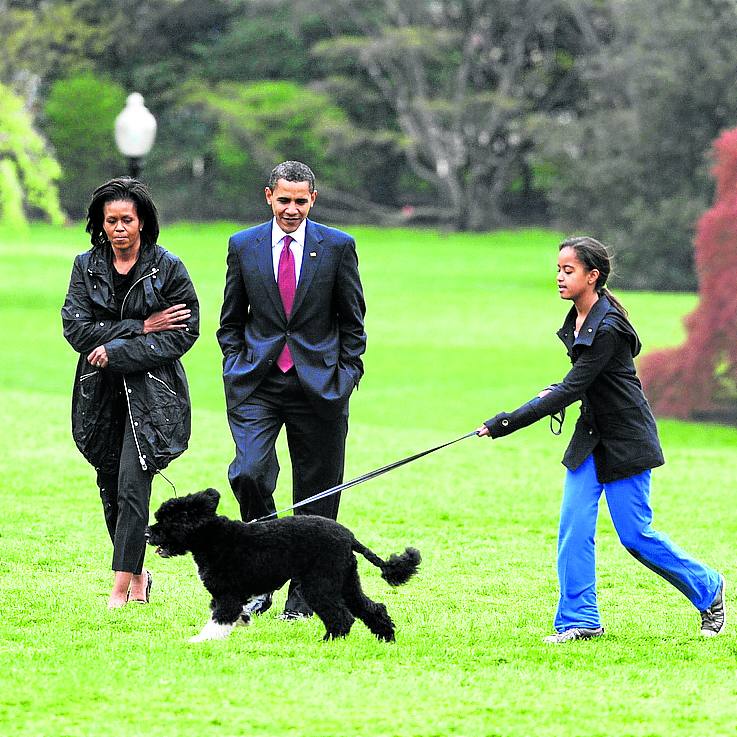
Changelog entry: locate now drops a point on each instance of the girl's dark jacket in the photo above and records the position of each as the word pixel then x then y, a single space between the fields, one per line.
pixel 616 423
pixel 144 375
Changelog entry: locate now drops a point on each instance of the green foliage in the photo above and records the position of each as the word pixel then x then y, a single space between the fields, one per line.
pixel 150 47
pixel 42 40
pixel 463 82
pixel 633 167
pixel 28 171
pixel 255 48
pixel 597 114
pixel 12 217
pixel 259 125
pixel 80 115
pixel 460 326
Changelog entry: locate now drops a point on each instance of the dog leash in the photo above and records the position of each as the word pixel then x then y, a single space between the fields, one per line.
pixel 365 477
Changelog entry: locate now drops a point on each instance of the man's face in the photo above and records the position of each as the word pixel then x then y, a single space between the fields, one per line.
pixel 290 202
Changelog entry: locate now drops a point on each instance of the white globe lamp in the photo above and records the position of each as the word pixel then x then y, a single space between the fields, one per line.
pixel 135 131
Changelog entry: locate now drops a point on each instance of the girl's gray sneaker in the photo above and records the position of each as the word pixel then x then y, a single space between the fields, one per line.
pixel 575 633
pixel 714 618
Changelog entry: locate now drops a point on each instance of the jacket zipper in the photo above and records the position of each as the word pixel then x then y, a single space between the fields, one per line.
pixel 161 381
pixel 141 459
pixel 153 272
pixel 87 376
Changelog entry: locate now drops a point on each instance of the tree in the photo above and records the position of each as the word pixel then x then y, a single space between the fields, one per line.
pixel 156 49
pixel 80 114
pixel 465 80
pixel 698 380
pixel 42 40
pixel 259 124
pixel 27 171
pixel 631 159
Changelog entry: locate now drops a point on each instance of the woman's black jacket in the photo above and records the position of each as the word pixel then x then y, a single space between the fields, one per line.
pixel 616 423
pixel 144 374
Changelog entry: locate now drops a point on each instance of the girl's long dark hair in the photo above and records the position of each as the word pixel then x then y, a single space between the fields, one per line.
pixel 124 189
pixel 595 255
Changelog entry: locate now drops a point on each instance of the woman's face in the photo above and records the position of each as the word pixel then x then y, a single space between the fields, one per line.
pixel 122 226
pixel 574 280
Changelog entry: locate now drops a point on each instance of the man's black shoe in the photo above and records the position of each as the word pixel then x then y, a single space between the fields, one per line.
pixel 295 607
pixel 257 605
pixel 290 614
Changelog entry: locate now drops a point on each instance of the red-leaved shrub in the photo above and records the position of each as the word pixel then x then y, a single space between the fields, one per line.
pixel 698 380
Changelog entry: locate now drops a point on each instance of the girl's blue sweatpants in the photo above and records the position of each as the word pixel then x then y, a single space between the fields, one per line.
pixel 629 505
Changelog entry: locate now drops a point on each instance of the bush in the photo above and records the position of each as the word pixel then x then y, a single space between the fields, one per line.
pixel 27 171
pixel 80 115
pixel 257 126
pixel 698 380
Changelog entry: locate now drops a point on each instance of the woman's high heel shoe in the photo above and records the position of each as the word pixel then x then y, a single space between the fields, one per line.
pixel 149 582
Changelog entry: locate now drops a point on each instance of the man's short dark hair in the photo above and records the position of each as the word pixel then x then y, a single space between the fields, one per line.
pixel 292 171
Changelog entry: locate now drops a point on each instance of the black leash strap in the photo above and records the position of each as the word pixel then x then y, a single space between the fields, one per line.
pixel 556 422
pixel 365 477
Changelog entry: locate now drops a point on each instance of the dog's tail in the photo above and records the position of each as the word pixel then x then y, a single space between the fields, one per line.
pixel 398 569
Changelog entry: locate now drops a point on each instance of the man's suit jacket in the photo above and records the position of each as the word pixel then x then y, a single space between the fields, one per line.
pixel 325 331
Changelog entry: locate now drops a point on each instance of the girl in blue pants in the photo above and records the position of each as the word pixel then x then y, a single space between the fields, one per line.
pixel 613 449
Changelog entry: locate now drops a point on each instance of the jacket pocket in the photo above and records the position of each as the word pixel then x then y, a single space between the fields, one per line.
pixel 165 417
pixel 96 428
pixel 161 409
pixel 87 400
pixel 162 386
pixel 90 375
pixel 626 424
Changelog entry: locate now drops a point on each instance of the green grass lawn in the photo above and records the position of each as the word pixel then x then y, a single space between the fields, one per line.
pixel 460 327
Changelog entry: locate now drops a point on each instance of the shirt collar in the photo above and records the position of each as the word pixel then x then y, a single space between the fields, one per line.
pixel 597 313
pixel 277 233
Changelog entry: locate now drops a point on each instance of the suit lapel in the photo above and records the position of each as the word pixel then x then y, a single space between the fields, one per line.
pixel 266 267
pixel 311 255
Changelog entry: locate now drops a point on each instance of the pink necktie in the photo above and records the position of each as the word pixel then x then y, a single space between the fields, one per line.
pixel 287 283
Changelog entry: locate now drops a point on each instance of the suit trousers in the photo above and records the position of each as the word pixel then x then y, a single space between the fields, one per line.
pixel 125 499
pixel 629 506
pixel 316 448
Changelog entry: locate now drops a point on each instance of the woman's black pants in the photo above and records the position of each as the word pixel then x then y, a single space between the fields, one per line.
pixel 125 500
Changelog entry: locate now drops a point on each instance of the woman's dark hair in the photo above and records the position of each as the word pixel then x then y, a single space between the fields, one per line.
pixel 122 189
pixel 594 255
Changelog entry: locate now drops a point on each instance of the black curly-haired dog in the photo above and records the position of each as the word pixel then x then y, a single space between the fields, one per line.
pixel 238 561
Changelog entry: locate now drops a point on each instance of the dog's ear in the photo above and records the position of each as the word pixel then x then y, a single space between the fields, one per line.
pixel 165 506
pixel 210 499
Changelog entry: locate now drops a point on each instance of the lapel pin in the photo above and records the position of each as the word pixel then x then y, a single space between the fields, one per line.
pixel 313 254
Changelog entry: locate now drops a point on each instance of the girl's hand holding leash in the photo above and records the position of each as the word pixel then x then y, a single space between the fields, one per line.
pixel 502 419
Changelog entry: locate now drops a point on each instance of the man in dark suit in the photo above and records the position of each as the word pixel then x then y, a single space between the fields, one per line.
pixel 292 336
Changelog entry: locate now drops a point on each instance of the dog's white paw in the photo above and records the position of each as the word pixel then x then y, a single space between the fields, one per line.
pixel 213 631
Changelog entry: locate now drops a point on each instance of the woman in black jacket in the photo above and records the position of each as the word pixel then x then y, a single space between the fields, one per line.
pixel 614 446
pixel 131 312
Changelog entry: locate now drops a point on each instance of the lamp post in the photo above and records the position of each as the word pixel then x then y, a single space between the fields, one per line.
pixel 135 131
